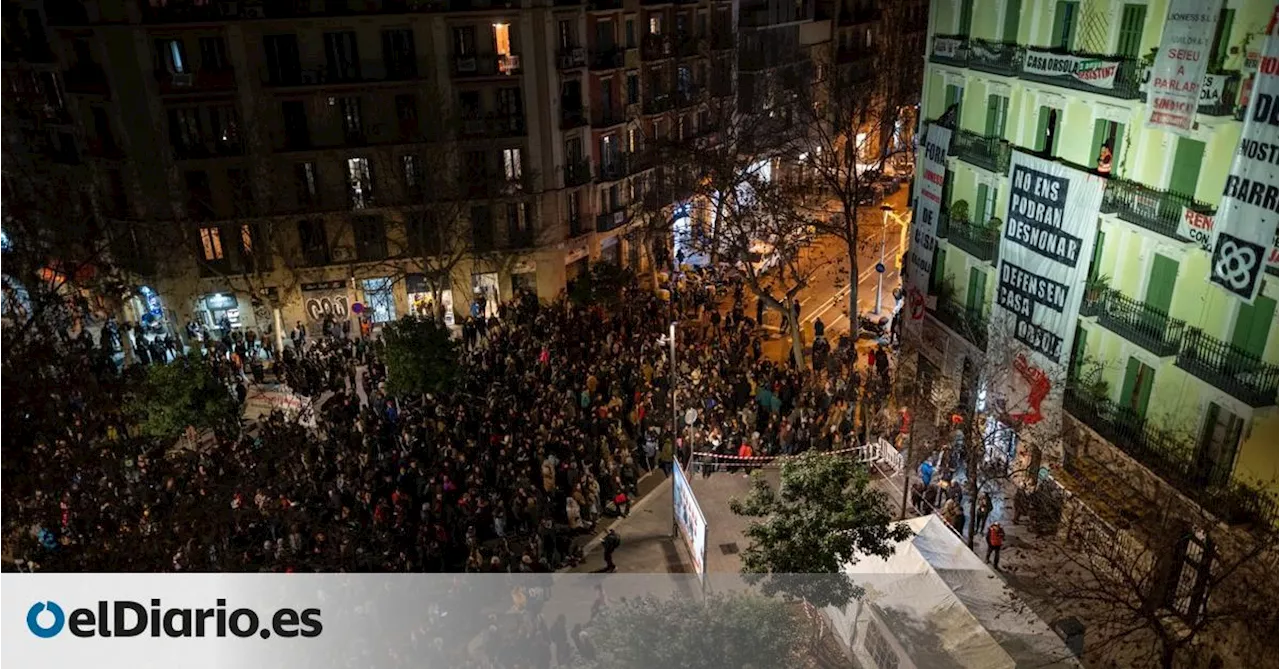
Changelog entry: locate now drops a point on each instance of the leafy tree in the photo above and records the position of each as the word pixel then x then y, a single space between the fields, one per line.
pixel 421 356
pixel 183 393
pixel 822 516
pixel 727 630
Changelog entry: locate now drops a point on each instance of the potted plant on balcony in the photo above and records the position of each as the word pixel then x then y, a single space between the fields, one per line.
pixel 992 231
pixel 960 211
pixel 1095 287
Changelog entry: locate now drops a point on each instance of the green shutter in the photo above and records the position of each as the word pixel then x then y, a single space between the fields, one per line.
pixel 1096 261
pixel 1078 347
pixel 966 16
pixel 1221 38
pixel 1059 21
pixel 1130 378
pixel 1253 325
pixel 993 115
pixel 977 290
pixel 1117 149
pixel 1099 136
pixel 1146 381
pixel 1164 274
pixel 1065 18
pixel 939 261
pixel 1135 394
pixel 1012 14
pixel 1131 23
pixel 1042 127
pixel 948 186
pixel 979 206
pixel 1186 166
pixel 1057 133
pixel 1004 115
pixel 1073 22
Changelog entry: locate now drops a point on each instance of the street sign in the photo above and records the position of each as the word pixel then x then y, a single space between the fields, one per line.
pixel 880 267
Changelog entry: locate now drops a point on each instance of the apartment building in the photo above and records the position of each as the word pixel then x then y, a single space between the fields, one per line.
pixel 297 143
pixel 1172 376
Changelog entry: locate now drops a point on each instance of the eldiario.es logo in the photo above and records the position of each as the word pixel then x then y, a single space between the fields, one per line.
pixel 124 618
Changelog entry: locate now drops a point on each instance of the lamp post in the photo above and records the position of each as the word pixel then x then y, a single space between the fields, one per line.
pixel 884 225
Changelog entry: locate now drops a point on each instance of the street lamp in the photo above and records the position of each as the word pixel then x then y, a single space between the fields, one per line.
pixel 885 210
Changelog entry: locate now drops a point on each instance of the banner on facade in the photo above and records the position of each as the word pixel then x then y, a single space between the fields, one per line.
pixel 1212 88
pixel 1173 92
pixel 947 47
pixel 1096 72
pixel 1049 233
pixel 924 224
pixel 991 53
pixel 1252 57
pixel 1199 227
pixel 1245 230
pixel 326 299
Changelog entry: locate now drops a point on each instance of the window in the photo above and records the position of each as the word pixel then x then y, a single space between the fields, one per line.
pixel 1135 394
pixel 997 115
pixel 211 243
pixel 1221 37
pixel 966 16
pixel 573 208
pixel 314 242
pixel 256 257
pixel 464 41
pixel 518 222
pixel 1219 440
pixel 102 129
pixel 633 88
pixel 481 228
pixel 879 649
pixel 283 63
pixel 1193 558
pixel 199 195
pixel 1046 139
pixel 172 56
pixel 213 54
pixel 567 38
pixel 631 33
pixel 702 25
pixel 241 191
pixel 398 53
pixel 1107 138
pixel 224 128
pixel 352 121
pixel 359 183
pixel 407 114
pixel 682 26
pixel 975 302
pixel 412 168
pixel 307 183
pixel 1187 159
pixel 342 56
pixel 655 24
pixel 296 133
pixel 1065 18
pixel 1132 21
pixel 1253 326
pixel 502 38
pixel 509 102
pixel 684 80
pixel 185 130
pixel 371 238
pixel 511 164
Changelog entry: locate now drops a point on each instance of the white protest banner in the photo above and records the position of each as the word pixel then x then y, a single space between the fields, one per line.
pixel 1245 230
pixel 1049 233
pixel 1199 227
pixel 1173 94
pixel 924 223
pixel 1252 56
pixel 947 47
pixel 1096 72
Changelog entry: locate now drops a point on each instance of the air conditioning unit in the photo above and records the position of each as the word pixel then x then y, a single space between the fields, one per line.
pixel 508 64
pixel 467 64
pixel 183 79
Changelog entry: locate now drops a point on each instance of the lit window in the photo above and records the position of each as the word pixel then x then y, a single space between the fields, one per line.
pixel 412 172
pixel 511 164
pixel 246 239
pixel 211 242
pixel 655 24
pixel 359 182
pixel 502 38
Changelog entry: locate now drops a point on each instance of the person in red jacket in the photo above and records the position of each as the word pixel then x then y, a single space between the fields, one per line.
pixel 995 540
pixel 744 451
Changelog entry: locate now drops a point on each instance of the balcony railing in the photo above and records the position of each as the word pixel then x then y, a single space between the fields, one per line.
pixel 494 125
pixel 964 321
pixel 572 117
pixel 568 59
pixel 603 117
pixel 995 57
pixel 979 241
pixel 989 153
pixel 490 65
pixel 195 82
pixel 577 172
pixel 1114 76
pixel 1135 320
pixel 1156 210
pixel 657 104
pixel 1225 105
pixel 610 58
pixel 1172 459
pixel 655 47
pixel 611 220
pixel 1244 375
pixel 950 50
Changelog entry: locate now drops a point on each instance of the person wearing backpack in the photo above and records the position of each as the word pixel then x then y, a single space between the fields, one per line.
pixel 611 542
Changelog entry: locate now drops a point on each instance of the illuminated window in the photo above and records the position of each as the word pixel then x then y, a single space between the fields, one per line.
pixel 211 243
pixel 655 24
pixel 502 38
pixel 511 164
pixel 246 239
pixel 359 182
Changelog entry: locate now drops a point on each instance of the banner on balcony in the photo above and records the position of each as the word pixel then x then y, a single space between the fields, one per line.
pixel 991 54
pixel 1245 231
pixel 947 47
pixel 924 223
pixel 1093 71
pixel 1212 89
pixel 1173 92
pixel 1199 227
pixel 1049 232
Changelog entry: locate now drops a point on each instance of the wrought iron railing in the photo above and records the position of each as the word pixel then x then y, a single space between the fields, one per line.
pixel 950 50
pixel 1125 83
pixel 979 241
pixel 1242 374
pixel 967 322
pixel 995 57
pixel 1156 210
pixel 989 153
pixel 1139 322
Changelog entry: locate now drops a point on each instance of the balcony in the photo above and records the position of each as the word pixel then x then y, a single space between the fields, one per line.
pixel 605 117
pixel 657 104
pixel 688 97
pixel 1225 104
pixel 1159 211
pixel 577 227
pixel 608 58
pixel 604 5
pixel 1244 375
pixel 1170 458
pixel 200 81
pixel 208 149
pixel 494 125
pixel 655 47
pixel 611 220
pixel 979 241
pixel 570 59
pixel 1001 58
pixel 688 46
pixel 964 321
pixel 577 172
pixel 950 50
pixel 1113 76
pixel 572 117
pixel 989 153
pixel 1135 320
pixel 88 78
pixel 491 65
pixel 364 72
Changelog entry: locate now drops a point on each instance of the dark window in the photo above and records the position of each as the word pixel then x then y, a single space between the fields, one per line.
pixel 423 233
pixel 224 128
pixel 313 242
pixel 352 120
pixel 633 88
pixel 411 168
pixel 284 66
pixel 213 54
pixel 567 39
pixel 407 115
pixel 398 54
pixel 241 191
pixel 254 251
pixel 308 183
pixel 481 228
pixel 464 41
pixel 117 198
pixel 199 195
pixel 631 34
pixel 509 102
pixel 519 232
pixel 185 131
pixel 341 56
pixel 371 238
pixel 296 133
pixel 102 130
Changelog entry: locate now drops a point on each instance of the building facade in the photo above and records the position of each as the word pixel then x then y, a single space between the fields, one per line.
pixel 1167 372
pixel 277 162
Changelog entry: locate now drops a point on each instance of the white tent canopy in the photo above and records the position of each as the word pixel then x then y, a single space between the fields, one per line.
pixel 935 604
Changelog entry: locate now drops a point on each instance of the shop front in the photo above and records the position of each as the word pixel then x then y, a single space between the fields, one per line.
pixel 611 251
pixel 575 263
pixel 220 312
pixel 422 302
pixel 379 299
pixel 146 309
pixel 484 294
pixel 325 301
pixel 524 277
